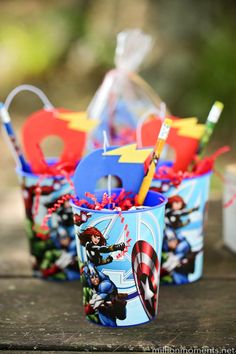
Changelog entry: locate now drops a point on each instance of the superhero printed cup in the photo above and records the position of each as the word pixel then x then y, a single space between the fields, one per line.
pixel 53 251
pixel 118 252
pixel 185 218
pixel 119 256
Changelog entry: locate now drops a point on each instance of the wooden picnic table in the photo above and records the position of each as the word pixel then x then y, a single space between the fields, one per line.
pixel 38 315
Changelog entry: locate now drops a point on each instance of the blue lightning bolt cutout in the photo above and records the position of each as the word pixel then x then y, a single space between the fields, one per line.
pixel 97 165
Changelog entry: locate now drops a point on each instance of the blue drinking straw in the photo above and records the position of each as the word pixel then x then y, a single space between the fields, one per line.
pixel 15 147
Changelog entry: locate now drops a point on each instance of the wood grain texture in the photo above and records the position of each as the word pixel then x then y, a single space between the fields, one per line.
pixel 47 315
pixel 43 316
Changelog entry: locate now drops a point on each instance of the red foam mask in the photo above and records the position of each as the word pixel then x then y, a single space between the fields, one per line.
pixel 44 123
pixel 184 138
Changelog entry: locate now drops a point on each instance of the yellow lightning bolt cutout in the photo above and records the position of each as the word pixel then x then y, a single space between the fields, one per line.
pixel 78 121
pixel 130 154
pixel 189 127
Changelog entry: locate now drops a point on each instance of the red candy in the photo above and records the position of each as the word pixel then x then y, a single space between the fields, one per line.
pixel 123 201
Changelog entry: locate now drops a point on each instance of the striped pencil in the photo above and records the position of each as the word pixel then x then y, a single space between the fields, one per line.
pixel 15 147
pixel 210 124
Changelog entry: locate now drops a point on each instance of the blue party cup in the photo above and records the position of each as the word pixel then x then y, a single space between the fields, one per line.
pixel 53 250
pixel 185 219
pixel 119 257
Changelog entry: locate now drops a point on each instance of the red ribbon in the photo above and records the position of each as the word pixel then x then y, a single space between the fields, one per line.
pixel 201 167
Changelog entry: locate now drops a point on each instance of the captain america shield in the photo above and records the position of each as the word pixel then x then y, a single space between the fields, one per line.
pixel 145 267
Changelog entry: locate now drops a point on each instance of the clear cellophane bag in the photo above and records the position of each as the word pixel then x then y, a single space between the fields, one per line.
pixel 123 97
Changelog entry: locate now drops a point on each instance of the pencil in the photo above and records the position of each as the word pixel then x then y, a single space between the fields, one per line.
pixel 161 140
pixel 210 124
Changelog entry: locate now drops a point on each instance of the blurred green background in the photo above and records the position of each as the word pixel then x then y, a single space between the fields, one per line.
pixel 65 47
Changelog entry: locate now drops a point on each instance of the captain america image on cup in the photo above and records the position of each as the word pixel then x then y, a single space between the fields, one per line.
pixel 178 259
pixel 104 302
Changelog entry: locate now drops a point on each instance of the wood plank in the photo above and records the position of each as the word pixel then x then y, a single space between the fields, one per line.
pixel 43 315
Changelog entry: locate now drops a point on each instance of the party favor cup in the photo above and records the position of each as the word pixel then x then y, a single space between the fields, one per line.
pixel 185 217
pixel 119 255
pixel 52 249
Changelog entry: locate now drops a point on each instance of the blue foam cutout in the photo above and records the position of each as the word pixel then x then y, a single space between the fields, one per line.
pixel 95 166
